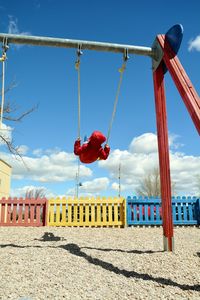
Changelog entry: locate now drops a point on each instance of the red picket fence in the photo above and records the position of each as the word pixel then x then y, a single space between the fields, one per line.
pixel 23 212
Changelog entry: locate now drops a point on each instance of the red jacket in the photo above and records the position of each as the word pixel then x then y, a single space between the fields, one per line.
pixel 92 150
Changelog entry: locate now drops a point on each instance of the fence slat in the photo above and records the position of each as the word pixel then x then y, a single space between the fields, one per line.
pixel 20 214
pixel 179 213
pixel 190 212
pixel 51 213
pixel 26 215
pixel 115 213
pixel 57 213
pixel 2 213
pixel 185 218
pixel 104 213
pixel 9 211
pixel 69 213
pixel 158 213
pixel 38 215
pixel 63 221
pixel 32 208
pixel 152 208
pixel 87 215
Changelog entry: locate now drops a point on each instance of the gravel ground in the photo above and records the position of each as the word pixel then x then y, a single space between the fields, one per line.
pixel 94 263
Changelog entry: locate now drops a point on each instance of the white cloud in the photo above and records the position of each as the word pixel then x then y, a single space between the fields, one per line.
pixel 145 143
pixel 115 186
pixel 55 167
pixel 13 26
pixel 23 149
pixel 95 186
pixel 21 191
pixel 6 133
pixel 142 157
pixel 37 152
pixel 184 171
pixel 91 188
pixel 194 44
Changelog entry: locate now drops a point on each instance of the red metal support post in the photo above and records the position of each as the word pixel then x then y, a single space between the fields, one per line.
pixel 163 149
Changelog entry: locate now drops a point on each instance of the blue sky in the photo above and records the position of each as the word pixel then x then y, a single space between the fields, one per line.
pixel 47 76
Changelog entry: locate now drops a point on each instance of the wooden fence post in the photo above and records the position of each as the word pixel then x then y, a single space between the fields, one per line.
pixel 197 208
pixel 45 212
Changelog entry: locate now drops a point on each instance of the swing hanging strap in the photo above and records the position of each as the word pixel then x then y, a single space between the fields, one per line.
pixel 77 66
pixel 3 60
pixel 121 70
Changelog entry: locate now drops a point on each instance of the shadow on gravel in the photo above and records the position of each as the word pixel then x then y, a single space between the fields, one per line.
pixel 18 246
pixel 123 251
pixel 49 236
pixel 76 250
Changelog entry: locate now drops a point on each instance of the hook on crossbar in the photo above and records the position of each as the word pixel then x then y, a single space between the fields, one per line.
pixel 79 52
pixel 5 47
pixel 125 55
pixel 5 44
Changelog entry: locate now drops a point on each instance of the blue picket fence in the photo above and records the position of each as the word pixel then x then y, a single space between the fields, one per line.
pixel 148 211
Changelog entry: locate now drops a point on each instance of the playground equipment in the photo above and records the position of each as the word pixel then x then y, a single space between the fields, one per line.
pixel 87 153
pixel 163 55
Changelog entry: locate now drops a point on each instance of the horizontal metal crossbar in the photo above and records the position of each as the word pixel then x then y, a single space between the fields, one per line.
pixel 68 43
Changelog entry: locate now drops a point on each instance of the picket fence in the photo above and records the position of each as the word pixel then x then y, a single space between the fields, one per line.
pixel 96 212
pixel 87 212
pixel 23 212
pixel 185 211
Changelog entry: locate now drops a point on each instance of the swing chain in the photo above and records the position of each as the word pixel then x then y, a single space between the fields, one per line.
pixel 5 47
pixel 77 66
pixel 121 70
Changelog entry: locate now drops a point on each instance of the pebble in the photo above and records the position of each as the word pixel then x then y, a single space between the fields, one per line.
pixel 98 263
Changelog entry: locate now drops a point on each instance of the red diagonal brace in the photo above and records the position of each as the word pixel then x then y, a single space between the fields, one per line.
pixel 182 81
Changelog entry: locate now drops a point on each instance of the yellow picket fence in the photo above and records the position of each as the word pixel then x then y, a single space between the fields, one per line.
pixel 87 212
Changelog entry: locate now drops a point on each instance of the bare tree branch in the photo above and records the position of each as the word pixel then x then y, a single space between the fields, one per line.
pixel 13 150
pixel 149 186
pixel 35 193
pixel 11 86
pixel 18 119
pixel 9 112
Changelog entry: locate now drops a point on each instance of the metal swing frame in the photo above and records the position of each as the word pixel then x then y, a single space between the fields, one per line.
pixel 161 51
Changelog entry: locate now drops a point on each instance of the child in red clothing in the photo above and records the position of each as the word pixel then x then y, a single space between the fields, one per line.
pixel 92 149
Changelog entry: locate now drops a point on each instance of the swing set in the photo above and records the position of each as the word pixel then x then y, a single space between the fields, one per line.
pixel 121 71
pixel 164 58
pixel 92 150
